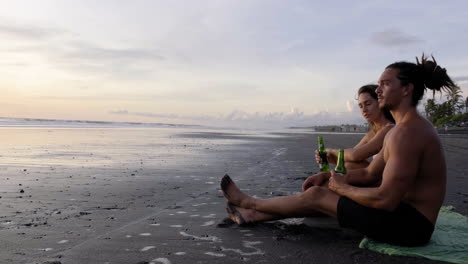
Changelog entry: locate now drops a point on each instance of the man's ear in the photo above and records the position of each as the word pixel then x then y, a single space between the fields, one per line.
pixel 408 89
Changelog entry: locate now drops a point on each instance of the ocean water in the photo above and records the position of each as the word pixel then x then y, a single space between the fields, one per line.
pixel 103 147
pixel 87 144
pixel 31 122
pixel 49 143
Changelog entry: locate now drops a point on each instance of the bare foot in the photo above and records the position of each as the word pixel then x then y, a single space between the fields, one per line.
pixel 235 215
pixel 234 195
pixel 244 216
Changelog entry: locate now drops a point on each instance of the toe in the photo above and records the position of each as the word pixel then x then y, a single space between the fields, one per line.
pixel 225 181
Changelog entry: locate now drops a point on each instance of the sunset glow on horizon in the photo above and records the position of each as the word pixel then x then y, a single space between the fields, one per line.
pixel 207 62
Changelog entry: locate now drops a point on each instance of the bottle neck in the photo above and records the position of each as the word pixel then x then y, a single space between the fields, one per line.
pixel 340 165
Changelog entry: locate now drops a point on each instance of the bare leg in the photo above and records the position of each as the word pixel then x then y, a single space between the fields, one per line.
pixel 313 200
pixel 245 216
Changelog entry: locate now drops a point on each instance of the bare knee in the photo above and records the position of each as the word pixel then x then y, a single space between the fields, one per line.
pixel 320 199
pixel 313 195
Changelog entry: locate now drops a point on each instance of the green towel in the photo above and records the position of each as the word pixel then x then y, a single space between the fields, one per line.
pixel 449 241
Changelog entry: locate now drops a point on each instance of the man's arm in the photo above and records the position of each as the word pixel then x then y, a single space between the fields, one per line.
pixel 369 175
pixel 332 154
pixel 398 175
pixel 365 176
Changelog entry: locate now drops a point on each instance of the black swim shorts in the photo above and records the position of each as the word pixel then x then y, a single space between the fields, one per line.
pixel 404 226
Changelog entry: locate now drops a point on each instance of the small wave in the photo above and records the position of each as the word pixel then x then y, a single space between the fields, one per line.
pixel 59 123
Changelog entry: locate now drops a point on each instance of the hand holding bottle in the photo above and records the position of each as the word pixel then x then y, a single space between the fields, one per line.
pixel 332 155
pixel 336 182
pixel 317 158
pixel 323 164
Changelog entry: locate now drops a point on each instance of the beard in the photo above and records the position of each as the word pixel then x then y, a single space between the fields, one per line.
pixel 385 105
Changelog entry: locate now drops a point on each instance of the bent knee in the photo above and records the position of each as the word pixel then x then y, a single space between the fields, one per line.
pixel 321 199
pixel 313 194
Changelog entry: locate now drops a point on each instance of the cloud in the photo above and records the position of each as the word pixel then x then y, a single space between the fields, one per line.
pixel 93 96
pixel 240 118
pixel 460 78
pixel 464 89
pixel 462 82
pixel 119 63
pixel 28 32
pixel 238 115
pixel 349 105
pixel 394 38
pixel 68 51
pixel 144 114
pixel 87 51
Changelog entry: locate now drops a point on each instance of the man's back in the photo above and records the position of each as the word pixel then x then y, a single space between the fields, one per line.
pixel 427 189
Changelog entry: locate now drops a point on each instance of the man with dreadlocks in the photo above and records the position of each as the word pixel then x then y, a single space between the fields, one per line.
pixel 411 169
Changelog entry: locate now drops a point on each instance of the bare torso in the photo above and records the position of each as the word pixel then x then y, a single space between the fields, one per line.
pixel 427 190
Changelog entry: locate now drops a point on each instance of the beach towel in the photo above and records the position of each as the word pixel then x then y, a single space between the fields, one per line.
pixel 449 241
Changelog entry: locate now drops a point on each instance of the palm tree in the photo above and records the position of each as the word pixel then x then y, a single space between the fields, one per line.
pixel 466 105
pixel 455 99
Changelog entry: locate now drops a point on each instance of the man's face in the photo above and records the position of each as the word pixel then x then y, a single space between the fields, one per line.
pixel 389 91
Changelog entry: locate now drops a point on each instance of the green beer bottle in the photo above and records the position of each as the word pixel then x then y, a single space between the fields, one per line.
pixel 340 165
pixel 323 155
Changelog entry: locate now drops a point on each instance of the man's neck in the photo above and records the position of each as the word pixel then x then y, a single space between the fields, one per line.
pixel 404 113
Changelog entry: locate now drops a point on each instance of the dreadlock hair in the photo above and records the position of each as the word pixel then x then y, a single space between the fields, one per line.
pixel 370 89
pixel 424 74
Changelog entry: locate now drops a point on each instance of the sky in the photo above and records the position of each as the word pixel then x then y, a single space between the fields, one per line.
pixel 215 62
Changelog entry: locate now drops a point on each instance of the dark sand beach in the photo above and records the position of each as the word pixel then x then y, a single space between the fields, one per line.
pixel 152 196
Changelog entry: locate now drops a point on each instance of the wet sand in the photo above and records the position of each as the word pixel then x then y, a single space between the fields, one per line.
pixel 146 196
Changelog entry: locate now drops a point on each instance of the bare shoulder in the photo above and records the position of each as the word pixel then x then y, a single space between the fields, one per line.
pixel 429 135
pixel 401 130
pixel 365 139
pixel 369 135
pixel 415 134
pixel 426 131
